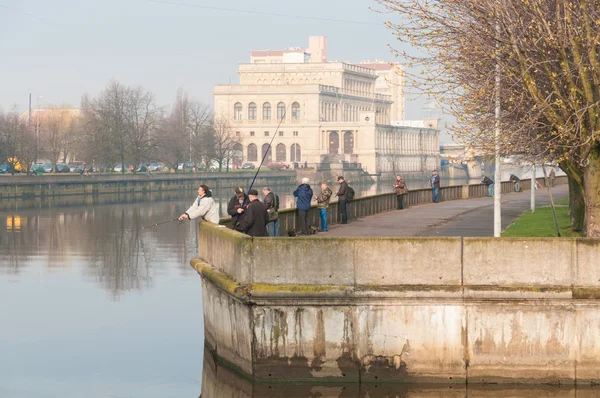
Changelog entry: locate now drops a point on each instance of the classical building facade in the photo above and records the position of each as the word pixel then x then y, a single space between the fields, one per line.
pixel 319 112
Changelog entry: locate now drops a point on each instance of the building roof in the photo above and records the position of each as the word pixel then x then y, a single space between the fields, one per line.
pixel 266 53
pixel 378 66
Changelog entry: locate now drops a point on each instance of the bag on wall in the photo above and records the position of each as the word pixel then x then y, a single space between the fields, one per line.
pixel 350 194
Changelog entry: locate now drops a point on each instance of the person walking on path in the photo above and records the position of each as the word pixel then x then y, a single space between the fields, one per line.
pixel 204 206
pixel 323 204
pixel 255 219
pixel 271 202
pixel 236 207
pixel 435 186
pixel 343 199
pixel 517 182
pixel 487 181
pixel 401 191
pixel 304 194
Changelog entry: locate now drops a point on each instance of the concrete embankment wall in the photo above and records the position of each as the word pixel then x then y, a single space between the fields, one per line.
pixel 26 187
pixel 403 309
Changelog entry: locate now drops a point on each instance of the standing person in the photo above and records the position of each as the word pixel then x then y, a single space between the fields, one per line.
pixel 435 186
pixel 323 204
pixel 487 181
pixel 204 206
pixel 401 191
pixel 271 202
pixel 304 194
pixel 254 222
pixel 517 182
pixel 552 176
pixel 236 206
pixel 343 199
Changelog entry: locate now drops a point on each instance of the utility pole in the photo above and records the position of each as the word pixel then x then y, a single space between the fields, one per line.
pixel 497 171
pixel 37 129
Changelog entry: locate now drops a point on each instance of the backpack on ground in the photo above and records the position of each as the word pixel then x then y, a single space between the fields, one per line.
pixel 349 194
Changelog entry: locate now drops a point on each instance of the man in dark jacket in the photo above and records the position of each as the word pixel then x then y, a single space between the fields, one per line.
pixel 343 199
pixel 487 181
pixel 271 202
pixel 435 186
pixel 517 181
pixel 254 222
pixel 236 207
pixel 304 194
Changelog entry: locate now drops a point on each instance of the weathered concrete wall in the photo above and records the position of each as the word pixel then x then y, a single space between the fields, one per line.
pixel 405 309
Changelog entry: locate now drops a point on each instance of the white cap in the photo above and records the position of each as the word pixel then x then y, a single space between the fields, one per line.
pixel 305 180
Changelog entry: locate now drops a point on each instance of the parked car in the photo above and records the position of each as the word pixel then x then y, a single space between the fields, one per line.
pixel 5 168
pixel 248 166
pixel 76 168
pixel 185 167
pixel 62 168
pixel 142 168
pixel 119 168
pixel 47 167
pixel 154 167
pixel 278 165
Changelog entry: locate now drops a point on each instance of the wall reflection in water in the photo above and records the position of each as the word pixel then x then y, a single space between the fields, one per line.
pixel 220 382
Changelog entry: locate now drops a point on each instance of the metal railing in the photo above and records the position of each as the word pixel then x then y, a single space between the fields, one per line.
pixel 375 204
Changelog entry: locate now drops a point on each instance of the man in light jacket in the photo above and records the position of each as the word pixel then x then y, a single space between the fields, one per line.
pixel 204 206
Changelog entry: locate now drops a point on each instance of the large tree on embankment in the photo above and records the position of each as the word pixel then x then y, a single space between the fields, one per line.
pixel 546 56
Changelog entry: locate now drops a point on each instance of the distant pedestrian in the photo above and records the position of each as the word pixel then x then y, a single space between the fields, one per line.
pixel 271 202
pixel 401 191
pixel 304 194
pixel 487 181
pixel 435 186
pixel 342 195
pixel 236 207
pixel 517 181
pixel 204 206
pixel 323 205
pixel 552 176
pixel 254 222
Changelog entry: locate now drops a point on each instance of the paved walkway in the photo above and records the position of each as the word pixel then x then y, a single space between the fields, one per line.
pixel 470 217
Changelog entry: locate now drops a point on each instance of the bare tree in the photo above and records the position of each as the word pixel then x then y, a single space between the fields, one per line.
pixel 225 141
pixel 17 141
pixel 142 121
pixel 545 54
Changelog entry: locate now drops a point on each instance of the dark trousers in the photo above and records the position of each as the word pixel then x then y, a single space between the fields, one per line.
pixel 400 199
pixel 344 210
pixel 302 221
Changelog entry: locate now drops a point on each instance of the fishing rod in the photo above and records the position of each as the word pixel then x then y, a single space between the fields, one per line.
pixel 160 223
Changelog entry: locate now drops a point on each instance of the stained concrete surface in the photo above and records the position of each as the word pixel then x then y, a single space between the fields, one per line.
pixel 470 217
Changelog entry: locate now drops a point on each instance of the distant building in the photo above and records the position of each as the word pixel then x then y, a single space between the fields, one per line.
pixel 329 112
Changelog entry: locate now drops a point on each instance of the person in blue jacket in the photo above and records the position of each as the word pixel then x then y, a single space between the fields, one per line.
pixel 304 195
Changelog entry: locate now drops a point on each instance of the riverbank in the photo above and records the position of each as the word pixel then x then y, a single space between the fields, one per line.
pixel 541 223
pixel 27 187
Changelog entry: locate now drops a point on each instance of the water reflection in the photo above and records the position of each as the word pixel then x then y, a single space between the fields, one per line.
pixel 220 382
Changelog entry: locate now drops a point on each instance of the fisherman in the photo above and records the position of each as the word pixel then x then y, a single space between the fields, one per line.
pixel 236 206
pixel 204 206
pixel 254 222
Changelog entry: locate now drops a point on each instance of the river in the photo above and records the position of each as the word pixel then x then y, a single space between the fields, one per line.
pixel 93 305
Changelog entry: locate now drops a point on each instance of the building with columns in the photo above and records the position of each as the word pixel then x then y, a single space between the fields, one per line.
pixel 318 112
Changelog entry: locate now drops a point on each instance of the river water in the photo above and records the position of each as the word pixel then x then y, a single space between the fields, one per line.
pixel 92 305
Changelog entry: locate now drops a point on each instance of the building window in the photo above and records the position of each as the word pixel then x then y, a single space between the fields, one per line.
pixel 295 153
pixel 348 142
pixel 280 111
pixel 295 134
pixel 280 153
pixel 237 111
pixel 266 111
pixel 295 111
pixel 252 153
pixel 266 133
pixel 237 134
pixel 252 111
pixel 252 134
pixel 267 150
pixel 281 133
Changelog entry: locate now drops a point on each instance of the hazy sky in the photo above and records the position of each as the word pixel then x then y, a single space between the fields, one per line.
pixel 60 49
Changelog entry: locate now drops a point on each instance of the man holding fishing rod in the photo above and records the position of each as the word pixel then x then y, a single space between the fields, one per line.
pixel 204 206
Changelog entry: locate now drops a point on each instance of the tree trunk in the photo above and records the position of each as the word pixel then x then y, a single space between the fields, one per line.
pixel 591 180
pixel 576 195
